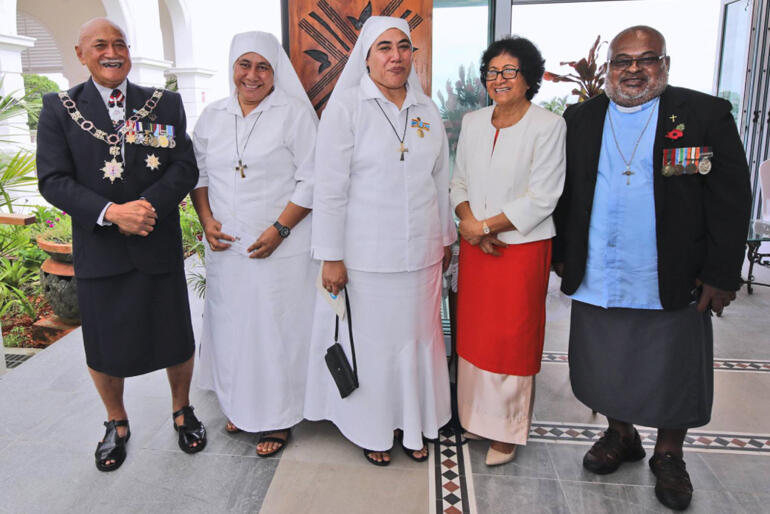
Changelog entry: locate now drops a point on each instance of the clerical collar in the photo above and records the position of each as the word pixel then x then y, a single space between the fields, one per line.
pixel 636 108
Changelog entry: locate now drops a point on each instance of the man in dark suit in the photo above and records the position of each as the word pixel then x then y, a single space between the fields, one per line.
pixel 123 198
pixel 650 235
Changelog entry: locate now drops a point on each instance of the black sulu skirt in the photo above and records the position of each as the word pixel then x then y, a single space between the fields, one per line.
pixel 136 322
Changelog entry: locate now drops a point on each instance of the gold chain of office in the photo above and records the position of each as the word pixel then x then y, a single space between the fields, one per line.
pixel 88 126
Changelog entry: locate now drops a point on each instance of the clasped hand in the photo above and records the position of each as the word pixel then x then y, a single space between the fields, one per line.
pixel 135 218
pixel 713 297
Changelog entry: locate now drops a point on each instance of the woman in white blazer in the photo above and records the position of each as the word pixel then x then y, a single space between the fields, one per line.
pixel 509 174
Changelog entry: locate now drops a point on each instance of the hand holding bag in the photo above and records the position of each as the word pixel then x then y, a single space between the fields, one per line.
pixel 336 360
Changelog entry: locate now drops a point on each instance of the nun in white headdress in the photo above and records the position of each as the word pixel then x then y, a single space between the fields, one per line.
pixel 382 226
pixel 254 150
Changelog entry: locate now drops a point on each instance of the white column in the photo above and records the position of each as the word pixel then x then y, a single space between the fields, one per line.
pixel 193 86
pixel 11 46
pixel 148 71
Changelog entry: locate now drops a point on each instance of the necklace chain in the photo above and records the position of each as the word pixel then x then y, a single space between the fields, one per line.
pixel 242 166
pixel 403 137
pixel 628 162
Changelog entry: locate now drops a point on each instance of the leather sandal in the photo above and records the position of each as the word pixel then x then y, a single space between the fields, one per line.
pixel 190 431
pixel 230 428
pixel 274 439
pixel 371 459
pixel 410 453
pixel 112 447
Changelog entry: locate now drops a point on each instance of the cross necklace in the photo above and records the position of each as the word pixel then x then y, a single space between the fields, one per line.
pixel 241 166
pixel 401 139
pixel 628 162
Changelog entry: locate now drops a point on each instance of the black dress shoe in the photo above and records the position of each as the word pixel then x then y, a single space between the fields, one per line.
pixel 673 487
pixel 112 447
pixel 609 452
pixel 191 430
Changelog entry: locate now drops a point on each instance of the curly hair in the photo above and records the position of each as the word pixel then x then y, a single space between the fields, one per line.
pixel 531 61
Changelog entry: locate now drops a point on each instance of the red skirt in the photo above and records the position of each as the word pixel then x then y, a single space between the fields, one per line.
pixel 501 307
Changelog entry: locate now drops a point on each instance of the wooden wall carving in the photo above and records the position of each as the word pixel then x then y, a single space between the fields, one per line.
pixel 322 34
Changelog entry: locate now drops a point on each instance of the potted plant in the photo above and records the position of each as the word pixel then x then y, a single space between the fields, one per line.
pixel 57 271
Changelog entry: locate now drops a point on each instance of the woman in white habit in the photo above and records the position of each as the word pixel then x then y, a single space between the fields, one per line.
pixel 254 150
pixel 383 225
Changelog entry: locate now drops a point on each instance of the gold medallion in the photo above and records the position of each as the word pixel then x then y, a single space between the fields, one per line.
pixel 691 168
pixel 163 140
pixel 668 170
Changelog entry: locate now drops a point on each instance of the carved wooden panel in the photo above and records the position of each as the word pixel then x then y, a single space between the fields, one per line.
pixel 322 34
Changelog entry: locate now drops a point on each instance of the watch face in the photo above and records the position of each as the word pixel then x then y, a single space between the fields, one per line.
pixel 284 231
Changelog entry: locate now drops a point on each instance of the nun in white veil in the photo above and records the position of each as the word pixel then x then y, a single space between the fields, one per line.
pixel 382 224
pixel 254 150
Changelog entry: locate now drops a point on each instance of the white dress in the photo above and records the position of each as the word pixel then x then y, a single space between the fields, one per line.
pixel 258 312
pixel 388 220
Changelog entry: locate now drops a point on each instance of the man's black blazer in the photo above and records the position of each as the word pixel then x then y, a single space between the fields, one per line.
pixel 69 161
pixel 701 221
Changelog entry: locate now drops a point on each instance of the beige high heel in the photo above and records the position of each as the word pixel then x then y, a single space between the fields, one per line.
pixel 497 458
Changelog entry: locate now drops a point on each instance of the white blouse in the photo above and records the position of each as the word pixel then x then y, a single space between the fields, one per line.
pixel 524 176
pixel 278 157
pixel 370 208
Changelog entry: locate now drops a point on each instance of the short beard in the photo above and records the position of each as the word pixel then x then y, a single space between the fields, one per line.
pixel 653 90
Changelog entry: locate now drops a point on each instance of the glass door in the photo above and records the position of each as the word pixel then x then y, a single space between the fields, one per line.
pixel 732 68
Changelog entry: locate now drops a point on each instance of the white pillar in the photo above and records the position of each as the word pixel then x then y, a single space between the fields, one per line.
pixel 193 86
pixel 148 71
pixel 11 46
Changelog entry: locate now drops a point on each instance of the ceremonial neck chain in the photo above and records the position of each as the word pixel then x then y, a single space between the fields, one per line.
pixel 401 139
pixel 240 167
pixel 628 171
pixel 112 169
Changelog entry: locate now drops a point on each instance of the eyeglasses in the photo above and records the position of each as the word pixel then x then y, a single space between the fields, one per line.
pixel 507 73
pixel 643 62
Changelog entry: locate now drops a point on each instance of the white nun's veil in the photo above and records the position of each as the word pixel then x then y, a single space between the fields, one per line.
pixel 266 45
pixel 356 65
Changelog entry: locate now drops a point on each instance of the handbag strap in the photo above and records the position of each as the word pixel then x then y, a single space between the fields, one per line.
pixel 350 333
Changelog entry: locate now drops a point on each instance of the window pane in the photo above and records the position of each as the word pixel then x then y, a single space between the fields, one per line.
pixel 735 41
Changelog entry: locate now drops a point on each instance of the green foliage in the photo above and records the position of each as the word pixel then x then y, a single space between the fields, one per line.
pixel 13 238
pixel 14 338
pixel 192 230
pixel 16 283
pixel 31 256
pixel 171 83
pixel 17 174
pixel 589 75
pixel 198 282
pixel 35 86
pixel 467 94
pixel 57 228
pixel 12 105
pixel 556 105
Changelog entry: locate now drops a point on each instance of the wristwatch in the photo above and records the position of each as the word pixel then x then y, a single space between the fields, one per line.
pixel 283 230
pixel 485 228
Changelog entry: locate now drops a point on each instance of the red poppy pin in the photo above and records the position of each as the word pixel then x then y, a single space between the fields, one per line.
pixel 677 132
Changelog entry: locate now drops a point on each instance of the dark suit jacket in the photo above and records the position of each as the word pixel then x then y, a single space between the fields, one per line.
pixel 68 167
pixel 701 221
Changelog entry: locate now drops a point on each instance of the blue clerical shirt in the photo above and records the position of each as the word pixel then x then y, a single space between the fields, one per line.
pixel 622 265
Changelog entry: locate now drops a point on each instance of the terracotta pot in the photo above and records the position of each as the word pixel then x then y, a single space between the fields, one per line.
pixel 56 277
pixel 60 252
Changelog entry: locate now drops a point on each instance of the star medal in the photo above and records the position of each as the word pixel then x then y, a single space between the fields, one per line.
pixel 112 170
pixel 131 138
pixel 152 161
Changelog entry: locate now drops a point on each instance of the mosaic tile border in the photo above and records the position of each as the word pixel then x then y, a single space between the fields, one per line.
pixel 451 481
pixel 761 366
pixel 695 440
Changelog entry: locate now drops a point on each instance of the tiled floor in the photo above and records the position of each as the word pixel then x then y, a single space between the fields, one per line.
pixel 50 420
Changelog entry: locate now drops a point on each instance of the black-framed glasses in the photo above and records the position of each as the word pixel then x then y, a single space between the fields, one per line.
pixel 623 63
pixel 507 73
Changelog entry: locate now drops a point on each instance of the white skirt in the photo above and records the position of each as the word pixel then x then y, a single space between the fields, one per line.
pixel 402 367
pixel 255 338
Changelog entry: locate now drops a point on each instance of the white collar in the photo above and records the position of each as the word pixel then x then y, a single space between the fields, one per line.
pixel 277 97
pixel 369 90
pixel 105 92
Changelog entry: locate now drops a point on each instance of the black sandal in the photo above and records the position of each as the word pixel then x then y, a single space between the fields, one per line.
pixel 410 453
pixel 112 447
pixel 382 462
pixel 190 431
pixel 274 439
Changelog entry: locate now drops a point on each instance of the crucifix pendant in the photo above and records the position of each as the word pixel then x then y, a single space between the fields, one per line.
pixel 628 174
pixel 402 149
pixel 240 168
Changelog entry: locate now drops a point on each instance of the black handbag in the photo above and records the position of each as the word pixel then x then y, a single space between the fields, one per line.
pixel 336 360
